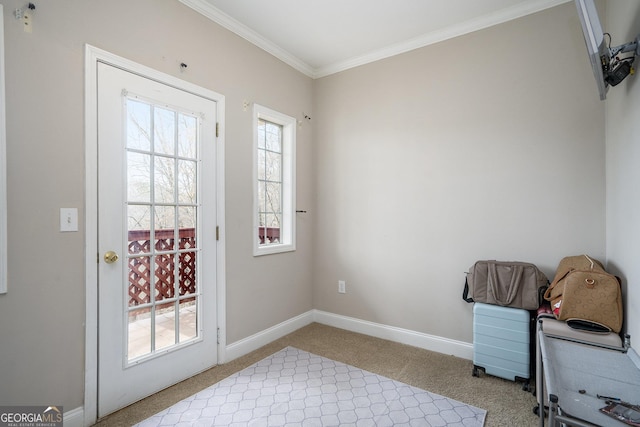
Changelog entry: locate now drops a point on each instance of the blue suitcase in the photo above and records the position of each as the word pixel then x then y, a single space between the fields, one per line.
pixel 502 342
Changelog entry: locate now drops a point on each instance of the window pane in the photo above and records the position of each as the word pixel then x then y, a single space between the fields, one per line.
pixel 139 280
pixel 272 229
pixel 164 184
pixel 273 220
pixel 187 181
pixel 187 273
pixel 275 182
pixel 138 125
pixel 164 131
pixel 162 223
pixel 273 135
pixel 187 136
pixel 273 166
pixel 262 155
pixel 139 333
pixel 138 218
pixel 273 197
pixel 187 217
pixel 164 219
pixel 165 326
pixel 261 134
pixel 262 198
pixel 188 320
pixel 164 276
pixel 139 177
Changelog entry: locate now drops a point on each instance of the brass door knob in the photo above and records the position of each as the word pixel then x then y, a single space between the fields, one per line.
pixel 110 257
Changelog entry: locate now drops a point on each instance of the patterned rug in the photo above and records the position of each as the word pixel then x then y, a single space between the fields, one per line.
pixel 296 388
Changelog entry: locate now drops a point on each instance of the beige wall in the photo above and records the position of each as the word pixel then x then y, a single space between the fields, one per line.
pixel 487 146
pixel 490 145
pixel 41 317
pixel 623 173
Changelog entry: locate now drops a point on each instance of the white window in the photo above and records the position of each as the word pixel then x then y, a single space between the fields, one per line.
pixel 274 181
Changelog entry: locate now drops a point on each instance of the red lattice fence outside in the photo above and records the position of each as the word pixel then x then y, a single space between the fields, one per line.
pixel 140 277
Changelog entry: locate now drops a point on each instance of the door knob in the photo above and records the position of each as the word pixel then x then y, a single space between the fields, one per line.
pixel 110 257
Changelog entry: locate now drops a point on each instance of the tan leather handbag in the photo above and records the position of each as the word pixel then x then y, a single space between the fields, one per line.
pixel 583 290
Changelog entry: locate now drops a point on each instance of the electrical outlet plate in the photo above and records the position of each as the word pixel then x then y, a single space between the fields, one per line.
pixel 27 21
pixel 342 287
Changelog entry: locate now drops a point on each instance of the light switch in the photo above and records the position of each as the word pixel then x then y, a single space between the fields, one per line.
pixel 68 219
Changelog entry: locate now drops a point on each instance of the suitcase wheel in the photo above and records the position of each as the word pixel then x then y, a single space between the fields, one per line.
pixel 476 370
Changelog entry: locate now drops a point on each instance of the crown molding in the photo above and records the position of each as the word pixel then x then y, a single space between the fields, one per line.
pixel 231 24
pixel 499 17
pixel 438 36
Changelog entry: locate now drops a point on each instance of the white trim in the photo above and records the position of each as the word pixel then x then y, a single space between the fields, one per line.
pixel 221 252
pixel 91 238
pixel 3 166
pixel 73 418
pixel 400 335
pixel 441 35
pixel 205 8
pixel 221 18
pixel 288 229
pixel 262 338
pixel 404 336
pixel 94 55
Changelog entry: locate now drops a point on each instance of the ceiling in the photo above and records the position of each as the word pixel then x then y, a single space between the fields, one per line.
pixel 322 37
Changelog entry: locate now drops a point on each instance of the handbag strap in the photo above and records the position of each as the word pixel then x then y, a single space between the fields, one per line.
pixel 465 292
pixel 514 283
pixel 547 293
pixel 590 260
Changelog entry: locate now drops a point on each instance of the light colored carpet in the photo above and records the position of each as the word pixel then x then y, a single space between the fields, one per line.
pixel 295 388
pixel 506 404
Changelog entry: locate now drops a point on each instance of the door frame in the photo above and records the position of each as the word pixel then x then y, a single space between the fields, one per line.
pixel 94 55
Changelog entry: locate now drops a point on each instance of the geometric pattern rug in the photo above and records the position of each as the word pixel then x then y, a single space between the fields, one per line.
pixel 296 388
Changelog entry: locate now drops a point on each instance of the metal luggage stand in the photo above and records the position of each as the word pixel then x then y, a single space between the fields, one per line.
pixel 580 377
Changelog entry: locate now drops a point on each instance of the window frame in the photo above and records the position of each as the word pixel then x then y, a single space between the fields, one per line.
pixel 3 165
pixel 288 231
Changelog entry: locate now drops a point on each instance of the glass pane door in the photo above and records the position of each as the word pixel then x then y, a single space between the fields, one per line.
pixel 162 295
pixel 157 215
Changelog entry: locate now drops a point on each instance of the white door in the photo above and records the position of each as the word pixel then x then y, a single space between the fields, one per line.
pixel 156 236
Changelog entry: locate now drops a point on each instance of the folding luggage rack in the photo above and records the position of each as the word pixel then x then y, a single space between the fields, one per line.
pixel 581 376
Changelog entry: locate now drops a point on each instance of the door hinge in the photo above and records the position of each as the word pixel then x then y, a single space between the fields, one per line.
pixel 217 232
pixel 218 336
pixel 217 129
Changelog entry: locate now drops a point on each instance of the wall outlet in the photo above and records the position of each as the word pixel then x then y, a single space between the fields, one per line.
pixel 342 287
pixel 27 21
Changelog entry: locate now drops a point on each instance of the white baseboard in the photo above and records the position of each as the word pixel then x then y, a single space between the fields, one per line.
pixel 255 341
pixel 73 418
pixel 391 333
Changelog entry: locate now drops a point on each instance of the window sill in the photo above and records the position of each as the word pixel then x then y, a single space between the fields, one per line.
pixel 273 249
